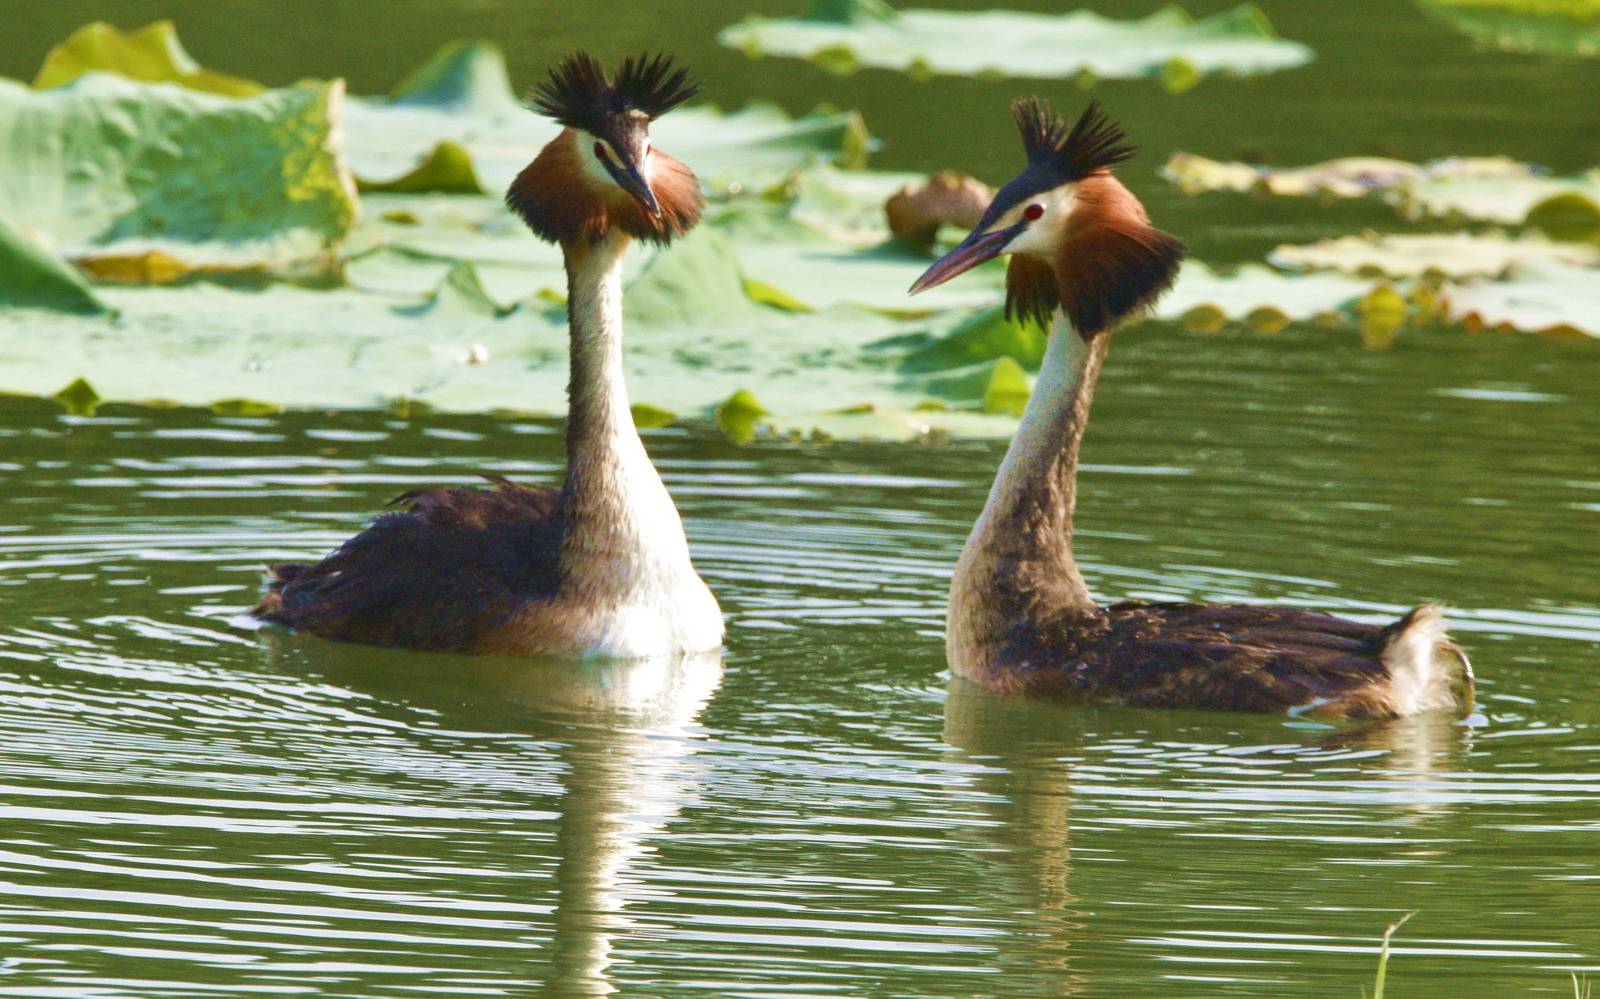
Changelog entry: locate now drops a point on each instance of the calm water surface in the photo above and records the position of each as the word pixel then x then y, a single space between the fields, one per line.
pixel 192 807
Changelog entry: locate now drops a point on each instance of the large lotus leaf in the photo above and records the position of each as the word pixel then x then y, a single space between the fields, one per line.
pixel 1351 177
pixel 1452 254
pixel 1511 200
pixel 843 35
pixel 817 273
pixel 847 206
pixel 1553 27
pixel 151 54
pixel 1203 297
pixel 1546 298
pixel 106 167
pixel 32 276
pixel 455 125
pixel 468 77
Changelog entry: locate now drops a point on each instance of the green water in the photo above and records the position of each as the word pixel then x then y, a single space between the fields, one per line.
pixel 190 807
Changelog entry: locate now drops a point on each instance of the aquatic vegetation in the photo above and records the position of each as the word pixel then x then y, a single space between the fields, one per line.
pixel 104 168
pixel 843 36
pixel 428 293
pixel 1475 188
pixel 151 54
pixel 1445 254
pixel 1551 27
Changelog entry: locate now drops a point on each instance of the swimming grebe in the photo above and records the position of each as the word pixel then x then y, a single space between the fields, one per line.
pixel 1084 257
pixel 599 567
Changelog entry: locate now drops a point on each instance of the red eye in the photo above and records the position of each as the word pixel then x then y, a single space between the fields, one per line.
pixel 1032 212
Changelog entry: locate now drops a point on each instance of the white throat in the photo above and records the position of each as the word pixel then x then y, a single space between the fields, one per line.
pixel 625 547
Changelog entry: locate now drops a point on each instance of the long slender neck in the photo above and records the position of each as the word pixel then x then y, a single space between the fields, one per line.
pixel 617 510
pixel 1018 564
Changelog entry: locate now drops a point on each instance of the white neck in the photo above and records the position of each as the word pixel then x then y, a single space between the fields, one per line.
pixel 622 524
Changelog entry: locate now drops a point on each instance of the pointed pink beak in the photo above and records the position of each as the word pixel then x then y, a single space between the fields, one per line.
pixel 969 253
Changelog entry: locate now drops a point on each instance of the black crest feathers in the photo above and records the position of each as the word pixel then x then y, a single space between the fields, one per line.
pixel 579 93
pixel 1092 143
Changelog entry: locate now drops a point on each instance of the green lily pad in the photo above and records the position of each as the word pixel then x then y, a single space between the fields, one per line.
pixel 152 54
pixel 106 167
pixel 1451 255
pixel 844 35
pixel 740 415
pixel 1550 27
pixel 1545 298
pixel 648 417
pixel 1008 389
pixel 79 398
pixel 32 276
pixel 465 76
pixel 1350 177
pixel 1507 201
pixel 455 125
pixel 985 335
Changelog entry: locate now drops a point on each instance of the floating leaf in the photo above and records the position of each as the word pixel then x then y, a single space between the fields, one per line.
pixel 244 407
pixel 34 277
pixel 1547 298
pixel 1382 312
pixel 648 417
pixel 152 54
pixel 1453 254
pixel 986 335
pixel 95 165
pixel 464 76
pixel 1509 200
pixel 841 37
pixel 1008 389
pixel 739 416
pixel 456 117
pixel 1351 177
pixel 447 169
pixel 1568 215
pixel 1552 27
pixel 79 398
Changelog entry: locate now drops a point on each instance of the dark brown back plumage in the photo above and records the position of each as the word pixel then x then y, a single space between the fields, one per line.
pixel 445 572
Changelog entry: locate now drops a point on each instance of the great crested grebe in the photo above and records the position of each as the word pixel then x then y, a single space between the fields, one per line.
pixel 1084 257
pixel 599 567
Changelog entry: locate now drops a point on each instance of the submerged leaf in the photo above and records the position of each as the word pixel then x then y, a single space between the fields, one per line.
pixel 152 54
pixel 841 38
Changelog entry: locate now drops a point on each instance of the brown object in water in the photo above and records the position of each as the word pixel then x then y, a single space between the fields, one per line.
pixel 916 211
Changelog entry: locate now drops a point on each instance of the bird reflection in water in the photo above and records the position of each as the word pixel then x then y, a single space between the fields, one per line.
pixel 623 733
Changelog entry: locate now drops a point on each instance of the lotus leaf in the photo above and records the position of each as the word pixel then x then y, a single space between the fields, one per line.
pixel 454 125
pixel 1351 177
pixel 1544 298
pixel 32 276
pixel 1553 27
pixel 844 35
pixel 106 167
pixel 1453 255
pixel 1509 201
pixel 151 54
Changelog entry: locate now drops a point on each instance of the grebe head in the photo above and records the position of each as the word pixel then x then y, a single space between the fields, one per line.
pixel 601 172
pixel 1077 238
